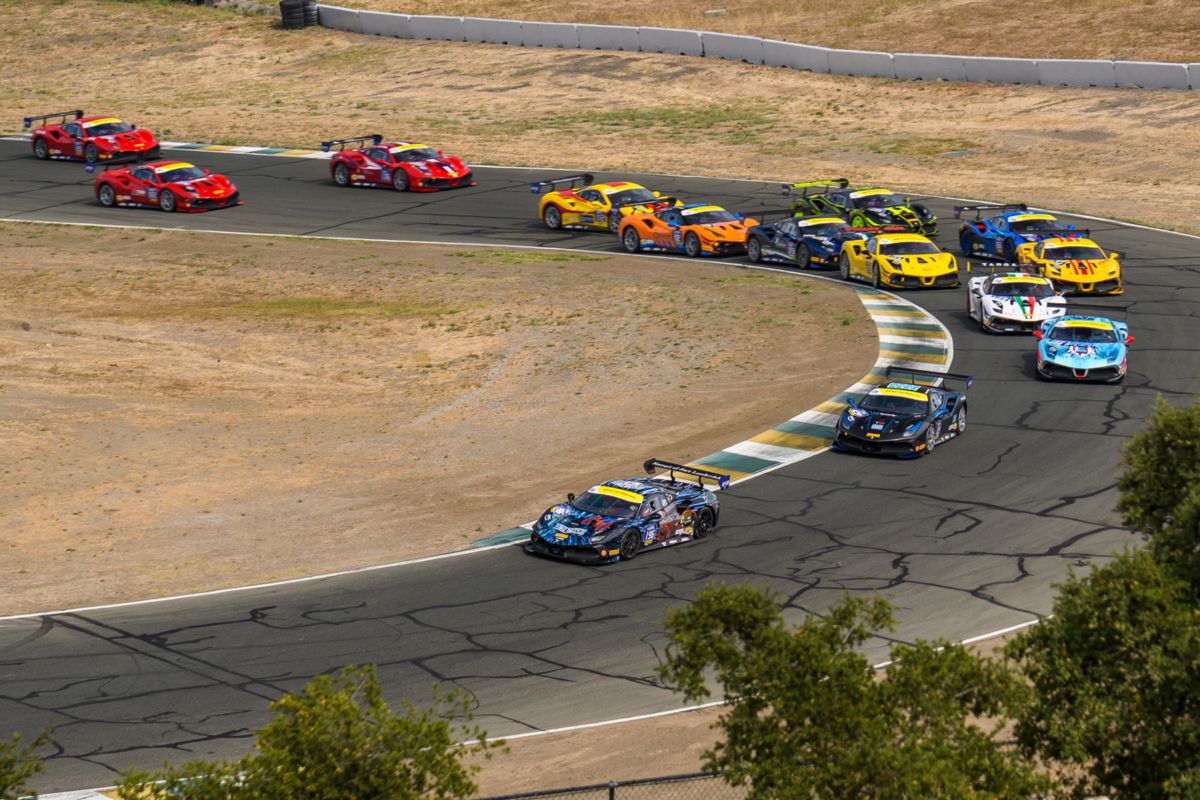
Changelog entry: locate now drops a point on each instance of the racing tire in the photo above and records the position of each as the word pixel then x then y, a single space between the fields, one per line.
pixel 552 216
pixel 167 201
pixel 703 524
pixel 1010 251
pixel 630 240
pixel 803 256
pixel 106 195
pixel 964 246
pixel 844 266
pixel 341 175
pixel 876 280
pixel 930 440
pixel 754 250
pixel 90 155
pixel 614 222
pixel 400 180
pixel 960 419
pixel 630 544
pixel 691 245
pixel 41 149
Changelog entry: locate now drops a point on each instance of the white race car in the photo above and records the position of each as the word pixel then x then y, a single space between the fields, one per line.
pixel 1011 302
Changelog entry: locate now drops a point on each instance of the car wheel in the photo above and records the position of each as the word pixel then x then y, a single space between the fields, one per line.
pixel 400 180
pixel 1010 251
pixel 630 240
pixel 614 221
pixel 691 245
pixel 876 280
pixel 90 155
pixel 167 200
pixel 960 419
pixel 844 265
pixel 964 245
pixel 552 216
pixel 41 149
pixel 803 256
pixel 341 175
pixel 703 525
pixel 753 250
pixel 106 196
pixel 930 440
pixel 630 544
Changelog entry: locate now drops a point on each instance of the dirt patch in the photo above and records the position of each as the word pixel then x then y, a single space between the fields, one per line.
pixel 217 411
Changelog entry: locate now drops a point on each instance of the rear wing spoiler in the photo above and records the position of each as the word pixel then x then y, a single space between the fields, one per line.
pixel 63 115
pixel 1122 309
pixel 116 161
pixel 878 229
pixel 1060 233
pixel 572 181
pixel 670 201
pixel 938 377
pixel 958 210
pixel 340 144
pixel 828 186
pixel 654 464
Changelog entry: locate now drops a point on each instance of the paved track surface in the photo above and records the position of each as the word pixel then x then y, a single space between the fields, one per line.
pixel 967 541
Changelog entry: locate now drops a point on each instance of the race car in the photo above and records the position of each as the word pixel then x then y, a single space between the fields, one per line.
pixel 1082 348
pixel 904 419
pixel 1076 265
pixel 404 166
pixel 998 234
pixel 596 206
pixel 696 229
pixel 805 241
pixel 864 207
pixel 616 520
pixel 71 135
pixel 1010 302
pixel 898 260
pixel 167 185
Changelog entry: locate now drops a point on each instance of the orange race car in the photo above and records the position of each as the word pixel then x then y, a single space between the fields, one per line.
pixel 696 230
pixel 596 206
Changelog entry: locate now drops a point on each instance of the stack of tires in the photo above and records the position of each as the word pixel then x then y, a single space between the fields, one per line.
pixel 298 13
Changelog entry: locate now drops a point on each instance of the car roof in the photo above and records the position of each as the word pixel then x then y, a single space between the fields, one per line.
pixel 1020 216
pixel 1019 277
pixel 818 218
pixel 903 237
pixel 617 185
pixel 895 389
pixel 644 486
pixel 97 118
pixel 1063 241
pixel 1081 321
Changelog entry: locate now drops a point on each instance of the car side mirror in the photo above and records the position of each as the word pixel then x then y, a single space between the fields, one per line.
pixel 1128 339
pixel 1114 254
pixel 1037 334
pixel 850 402
pixel 570 497
pixel 440 153
pixel 207 172
pixel 657 194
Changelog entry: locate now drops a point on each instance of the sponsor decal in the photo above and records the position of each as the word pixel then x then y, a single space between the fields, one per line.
pixel 623 494
pixel 677 236
pixel 105 121
pixel 911 394
pixel 1086 323
pixel 173 165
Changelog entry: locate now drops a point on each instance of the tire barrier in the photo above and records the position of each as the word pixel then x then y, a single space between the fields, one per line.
pixel 298 13
pixel 772 52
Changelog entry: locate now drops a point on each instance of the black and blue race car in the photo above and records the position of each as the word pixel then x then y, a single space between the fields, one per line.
pixel 997 231
pixel 904 419
pixel 616 520
pixel 812 241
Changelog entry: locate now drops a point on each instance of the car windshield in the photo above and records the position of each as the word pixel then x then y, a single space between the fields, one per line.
pixel 895 404
pixel 1021 289
pixel 1032 225
pixel 415 154
pixel 180 174
pixel 605 505
pixel 826 229
pixel 907 248
pixel 708 217
pixel 1075 253
pixel 1084 333
pixel 108 128
pixel 626 196
pixel 878 201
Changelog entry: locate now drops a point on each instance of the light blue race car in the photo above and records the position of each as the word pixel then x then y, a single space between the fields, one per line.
pixel 1082 348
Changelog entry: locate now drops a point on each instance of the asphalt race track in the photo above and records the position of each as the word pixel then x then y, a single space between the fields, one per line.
pixel 967 541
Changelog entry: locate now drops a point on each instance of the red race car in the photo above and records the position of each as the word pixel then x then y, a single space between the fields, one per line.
pixel 404 166
pixel 71 135
pixel 169 185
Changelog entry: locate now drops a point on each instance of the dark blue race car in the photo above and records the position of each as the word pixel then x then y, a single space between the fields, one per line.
pixel 616 520
pixel 813 241
pixel 997 231
pixel 904 419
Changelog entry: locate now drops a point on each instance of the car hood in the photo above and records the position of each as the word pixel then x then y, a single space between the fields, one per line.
pixel 566 525
pixel 1081 354
pixel 931 264
pixel 1085 271
pixel 877 425
pixel 1029 308
pixel 444 167
pixel 727 231
pixel 209 186
pixel 139 139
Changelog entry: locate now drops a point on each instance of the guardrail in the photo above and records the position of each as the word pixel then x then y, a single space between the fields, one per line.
pixel 753 50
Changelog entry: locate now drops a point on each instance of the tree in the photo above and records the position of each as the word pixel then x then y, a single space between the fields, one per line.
pixel 18 764
pixel 808 717
pixel 336 740
pixel 1116 679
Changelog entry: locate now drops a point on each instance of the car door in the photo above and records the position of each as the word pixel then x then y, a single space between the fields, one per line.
pixel 783 239
pixel 975 298
pixel 666 229
pixel 70 140
pixel 596 206
pixel 377 166
pixel 141 184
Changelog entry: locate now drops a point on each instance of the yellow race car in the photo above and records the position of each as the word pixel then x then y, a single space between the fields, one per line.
pixel 898 260
pixel 1076 265
pixel 597 206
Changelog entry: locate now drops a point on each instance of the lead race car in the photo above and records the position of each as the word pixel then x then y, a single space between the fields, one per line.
pixel 997 231
pixel 74 136
pixel 583 203
pixel 166 185
pixel 403 166
pixel 1012 302
pixel 904 419
pixel 1082 347
pixel 616 520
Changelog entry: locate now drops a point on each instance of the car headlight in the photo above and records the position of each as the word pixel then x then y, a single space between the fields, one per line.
pixel 995 306
pixel 422 167
pixel 1051 350
pixel 596 538
pixel 913 428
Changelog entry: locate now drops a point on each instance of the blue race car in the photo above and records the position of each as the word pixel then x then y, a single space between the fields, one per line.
pixel 1004 228
pixel 812 241
pixel 904 419
pixel 1083 348
pixel 616 520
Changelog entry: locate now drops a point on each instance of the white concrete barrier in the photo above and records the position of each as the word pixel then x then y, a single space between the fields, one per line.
pixel 732 47
pixel 492 31
pixel 991 69
pixel 380 23
pixel 1071 72
pixel 1151 74
pixel 549 34
pixel 338 18
pixel 795 56
pixel 925 67
pixel 867 63
pixel 1194 76
pixel 440 29
pixel 607 37
pixel 670 40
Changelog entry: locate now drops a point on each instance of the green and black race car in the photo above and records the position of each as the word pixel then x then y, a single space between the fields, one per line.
pixel 862 208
